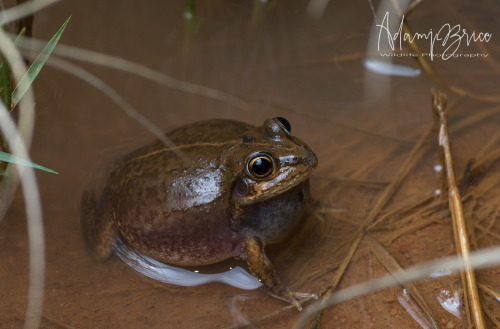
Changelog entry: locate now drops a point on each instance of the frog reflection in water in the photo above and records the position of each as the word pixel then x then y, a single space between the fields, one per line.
pixel 227 190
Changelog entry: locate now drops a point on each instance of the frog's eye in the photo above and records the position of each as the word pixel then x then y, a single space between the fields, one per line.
pixel 284 124
pixel 260 165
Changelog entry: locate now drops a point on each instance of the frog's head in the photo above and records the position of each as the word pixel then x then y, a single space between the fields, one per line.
pixel 272 162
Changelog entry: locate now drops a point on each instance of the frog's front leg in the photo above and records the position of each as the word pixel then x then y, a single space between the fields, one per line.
pixel 98 226
pixel 261 267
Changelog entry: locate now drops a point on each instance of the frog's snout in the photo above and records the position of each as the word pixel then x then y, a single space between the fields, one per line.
pixel 306 157
pixel 310 160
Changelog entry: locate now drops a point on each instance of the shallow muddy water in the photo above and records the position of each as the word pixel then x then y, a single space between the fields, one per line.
pixel 269 59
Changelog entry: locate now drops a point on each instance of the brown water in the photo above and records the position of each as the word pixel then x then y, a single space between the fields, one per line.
pixel 280 62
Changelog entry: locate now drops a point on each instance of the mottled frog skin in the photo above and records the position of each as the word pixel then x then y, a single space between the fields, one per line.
pixel 226 190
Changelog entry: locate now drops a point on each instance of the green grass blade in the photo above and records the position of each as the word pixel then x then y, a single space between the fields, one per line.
pixel 5 83
pixel 20 36
pixel 32 73
pixel 5 75
pixel 7 157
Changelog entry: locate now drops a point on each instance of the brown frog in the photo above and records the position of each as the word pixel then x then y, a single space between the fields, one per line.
pixel 226 190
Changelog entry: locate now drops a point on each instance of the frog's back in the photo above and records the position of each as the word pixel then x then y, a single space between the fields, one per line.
pixel 175 207
pixel 208 131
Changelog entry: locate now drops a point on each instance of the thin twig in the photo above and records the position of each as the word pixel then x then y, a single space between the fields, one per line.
pixel 386 259
pixel 490 291
pixel 386 195
pixel 439 108
pixel 489 257
pixel 495 295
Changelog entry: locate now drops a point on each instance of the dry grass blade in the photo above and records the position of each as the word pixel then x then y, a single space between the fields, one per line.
pixel 492 318
pixel 495 295
pixel 489 291
pixel 27 8
pixel 386 195
pixel 319 118
pixel 479 259
pixel 19 143
pixel 118 63
pixel 405 208
pixel 117 99
pixel 475 118
pixel 455 204
pixel 428 68
pixel 354 181
pixel 393 266
pixel 480 162
pixel 488 232
pixel 408 229
pixel 259 319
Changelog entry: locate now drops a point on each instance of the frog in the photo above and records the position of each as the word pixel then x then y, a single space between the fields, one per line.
pixel 225 189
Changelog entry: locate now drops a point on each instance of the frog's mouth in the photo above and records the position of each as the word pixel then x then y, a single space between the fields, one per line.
pixel 249 191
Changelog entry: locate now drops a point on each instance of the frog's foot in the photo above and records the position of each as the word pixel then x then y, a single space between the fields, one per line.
pixel 292 297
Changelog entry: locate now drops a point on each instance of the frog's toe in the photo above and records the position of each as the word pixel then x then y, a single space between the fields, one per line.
pixel 296 303
pixel 295 298
pixel 305 295
pixel 302 296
